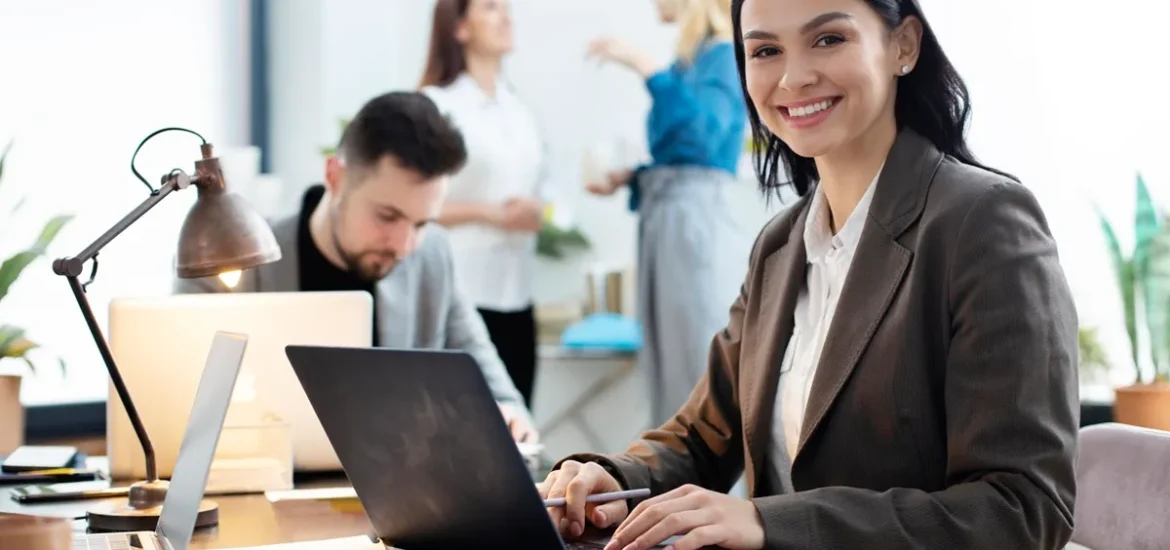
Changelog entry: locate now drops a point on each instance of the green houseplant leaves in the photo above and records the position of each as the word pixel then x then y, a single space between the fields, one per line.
pixel 13 344
pixel 1144 282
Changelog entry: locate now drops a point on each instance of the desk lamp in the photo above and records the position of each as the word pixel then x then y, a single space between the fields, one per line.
pixel 221 233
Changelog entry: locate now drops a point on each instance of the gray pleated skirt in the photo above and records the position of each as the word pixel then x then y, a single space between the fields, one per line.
pixel 692 258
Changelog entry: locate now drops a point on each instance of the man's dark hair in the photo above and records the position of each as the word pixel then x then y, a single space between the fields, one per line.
pixel 407 126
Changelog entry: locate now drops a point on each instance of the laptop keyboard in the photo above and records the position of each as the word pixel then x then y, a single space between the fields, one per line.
pixel 107 542
pixel 584 545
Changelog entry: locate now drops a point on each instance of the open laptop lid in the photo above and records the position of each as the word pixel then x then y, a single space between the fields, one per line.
pixel 176 523
pixel 425 446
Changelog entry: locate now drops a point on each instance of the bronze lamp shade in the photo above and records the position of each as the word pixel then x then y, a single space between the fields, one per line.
pixel 222 232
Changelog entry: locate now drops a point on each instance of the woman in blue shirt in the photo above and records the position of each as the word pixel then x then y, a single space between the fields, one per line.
pixel 691 253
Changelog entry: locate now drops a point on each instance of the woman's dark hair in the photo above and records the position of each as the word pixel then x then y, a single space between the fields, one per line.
pixel 445 60
pixel 932 100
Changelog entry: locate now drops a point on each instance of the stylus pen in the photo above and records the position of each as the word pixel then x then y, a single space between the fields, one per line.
pixel 601 497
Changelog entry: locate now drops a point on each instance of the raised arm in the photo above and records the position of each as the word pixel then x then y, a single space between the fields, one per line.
pixel 1011 408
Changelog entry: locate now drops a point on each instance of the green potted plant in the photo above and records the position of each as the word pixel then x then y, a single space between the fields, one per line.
pixel 14 346
pixel 1091 359
pixel 1144 283
pixel 330 150
pixel 554 241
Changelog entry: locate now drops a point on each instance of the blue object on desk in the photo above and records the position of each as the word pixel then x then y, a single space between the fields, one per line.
pixel 604 331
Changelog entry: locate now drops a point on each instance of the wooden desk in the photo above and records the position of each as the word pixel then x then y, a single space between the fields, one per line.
pixel 246 520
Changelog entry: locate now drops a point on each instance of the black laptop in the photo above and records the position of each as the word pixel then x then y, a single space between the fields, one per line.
pixel 427 451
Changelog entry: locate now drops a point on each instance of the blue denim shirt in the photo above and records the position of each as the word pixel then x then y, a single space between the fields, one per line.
pixel 698 115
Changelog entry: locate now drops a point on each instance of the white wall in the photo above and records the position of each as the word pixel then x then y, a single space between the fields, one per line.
pixel 83 83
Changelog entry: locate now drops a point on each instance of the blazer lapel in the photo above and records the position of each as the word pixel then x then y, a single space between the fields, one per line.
pixel 877 270
pixel 784 274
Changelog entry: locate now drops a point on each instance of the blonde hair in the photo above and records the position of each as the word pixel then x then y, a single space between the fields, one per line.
pixel 699 20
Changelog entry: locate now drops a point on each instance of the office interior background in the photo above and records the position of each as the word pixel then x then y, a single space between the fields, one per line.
pixel 1071 100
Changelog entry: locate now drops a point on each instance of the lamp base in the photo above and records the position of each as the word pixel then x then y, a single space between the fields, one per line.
pixel 141 510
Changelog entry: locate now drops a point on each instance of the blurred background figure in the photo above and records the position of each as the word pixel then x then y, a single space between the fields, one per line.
pixel 494 206
pixel 691 253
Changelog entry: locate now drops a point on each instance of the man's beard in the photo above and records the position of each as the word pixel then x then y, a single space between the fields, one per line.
pixel 353 261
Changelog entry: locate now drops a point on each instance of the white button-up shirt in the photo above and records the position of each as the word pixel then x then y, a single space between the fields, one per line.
pixel 829 257
pixel 494 267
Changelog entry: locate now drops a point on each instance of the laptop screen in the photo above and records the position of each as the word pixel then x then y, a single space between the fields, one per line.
pixel 180 509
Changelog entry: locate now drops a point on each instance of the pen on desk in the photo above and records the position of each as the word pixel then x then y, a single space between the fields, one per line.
pixel 601 497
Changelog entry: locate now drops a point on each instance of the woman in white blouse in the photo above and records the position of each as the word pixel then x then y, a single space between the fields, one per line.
pixel 494 206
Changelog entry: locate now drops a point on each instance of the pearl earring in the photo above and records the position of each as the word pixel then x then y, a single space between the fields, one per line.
pixel 905 69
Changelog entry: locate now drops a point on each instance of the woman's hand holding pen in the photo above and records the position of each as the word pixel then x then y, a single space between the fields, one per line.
pixel 697 516
pixel 575 481
pixel 623 53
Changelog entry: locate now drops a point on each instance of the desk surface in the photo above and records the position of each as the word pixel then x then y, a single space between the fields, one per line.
pixel 246 520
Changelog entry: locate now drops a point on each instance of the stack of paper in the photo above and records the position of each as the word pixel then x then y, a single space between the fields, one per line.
pixel 298 510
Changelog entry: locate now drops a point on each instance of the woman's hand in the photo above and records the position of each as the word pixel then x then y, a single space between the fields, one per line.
pixel 519 214
pixel 623 53
pixel 574 481
pixel 522 430
pixel 613 181
pixel 699 517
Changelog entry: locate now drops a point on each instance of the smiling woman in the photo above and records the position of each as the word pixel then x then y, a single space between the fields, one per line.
pixel 929 96
pixel 899 370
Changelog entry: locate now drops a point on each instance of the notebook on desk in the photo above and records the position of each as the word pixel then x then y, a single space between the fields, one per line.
pixel 424 444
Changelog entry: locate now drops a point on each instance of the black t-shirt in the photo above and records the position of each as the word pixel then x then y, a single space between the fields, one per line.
pixel 316 272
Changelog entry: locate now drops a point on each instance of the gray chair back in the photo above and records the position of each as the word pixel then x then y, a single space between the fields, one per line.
pixel 1123 488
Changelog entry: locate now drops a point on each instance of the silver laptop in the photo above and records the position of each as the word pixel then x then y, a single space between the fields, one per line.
pixel 180 509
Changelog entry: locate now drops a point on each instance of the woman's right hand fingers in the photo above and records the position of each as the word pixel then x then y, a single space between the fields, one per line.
pixel 555 485
pixel 575 481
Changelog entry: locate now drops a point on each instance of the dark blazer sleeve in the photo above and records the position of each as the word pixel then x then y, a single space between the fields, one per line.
pixel 1011 408
pixel 703 443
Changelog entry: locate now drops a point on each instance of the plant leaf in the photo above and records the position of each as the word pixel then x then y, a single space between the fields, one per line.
pixel 8 335
pixel 1092 354
pixel 16 207
pixel 18 348
pixel 11 269
pixel 1145 225
pixel 50 231
pixel 1124 269
pixel 3 157
pixel 13 345
pixel 1156 291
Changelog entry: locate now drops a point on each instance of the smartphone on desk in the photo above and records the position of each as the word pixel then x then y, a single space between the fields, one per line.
pixel 67 492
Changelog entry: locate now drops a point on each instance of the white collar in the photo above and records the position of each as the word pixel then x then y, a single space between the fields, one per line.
pixel 464 83
pixel 819 239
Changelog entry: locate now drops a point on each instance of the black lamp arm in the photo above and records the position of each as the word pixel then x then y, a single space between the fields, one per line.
pixel 71 269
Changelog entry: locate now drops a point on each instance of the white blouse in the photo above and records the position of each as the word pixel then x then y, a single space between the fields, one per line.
pixel 494 267
pixel 829 257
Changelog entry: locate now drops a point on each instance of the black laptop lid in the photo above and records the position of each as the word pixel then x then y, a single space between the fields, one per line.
pixel 425 446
